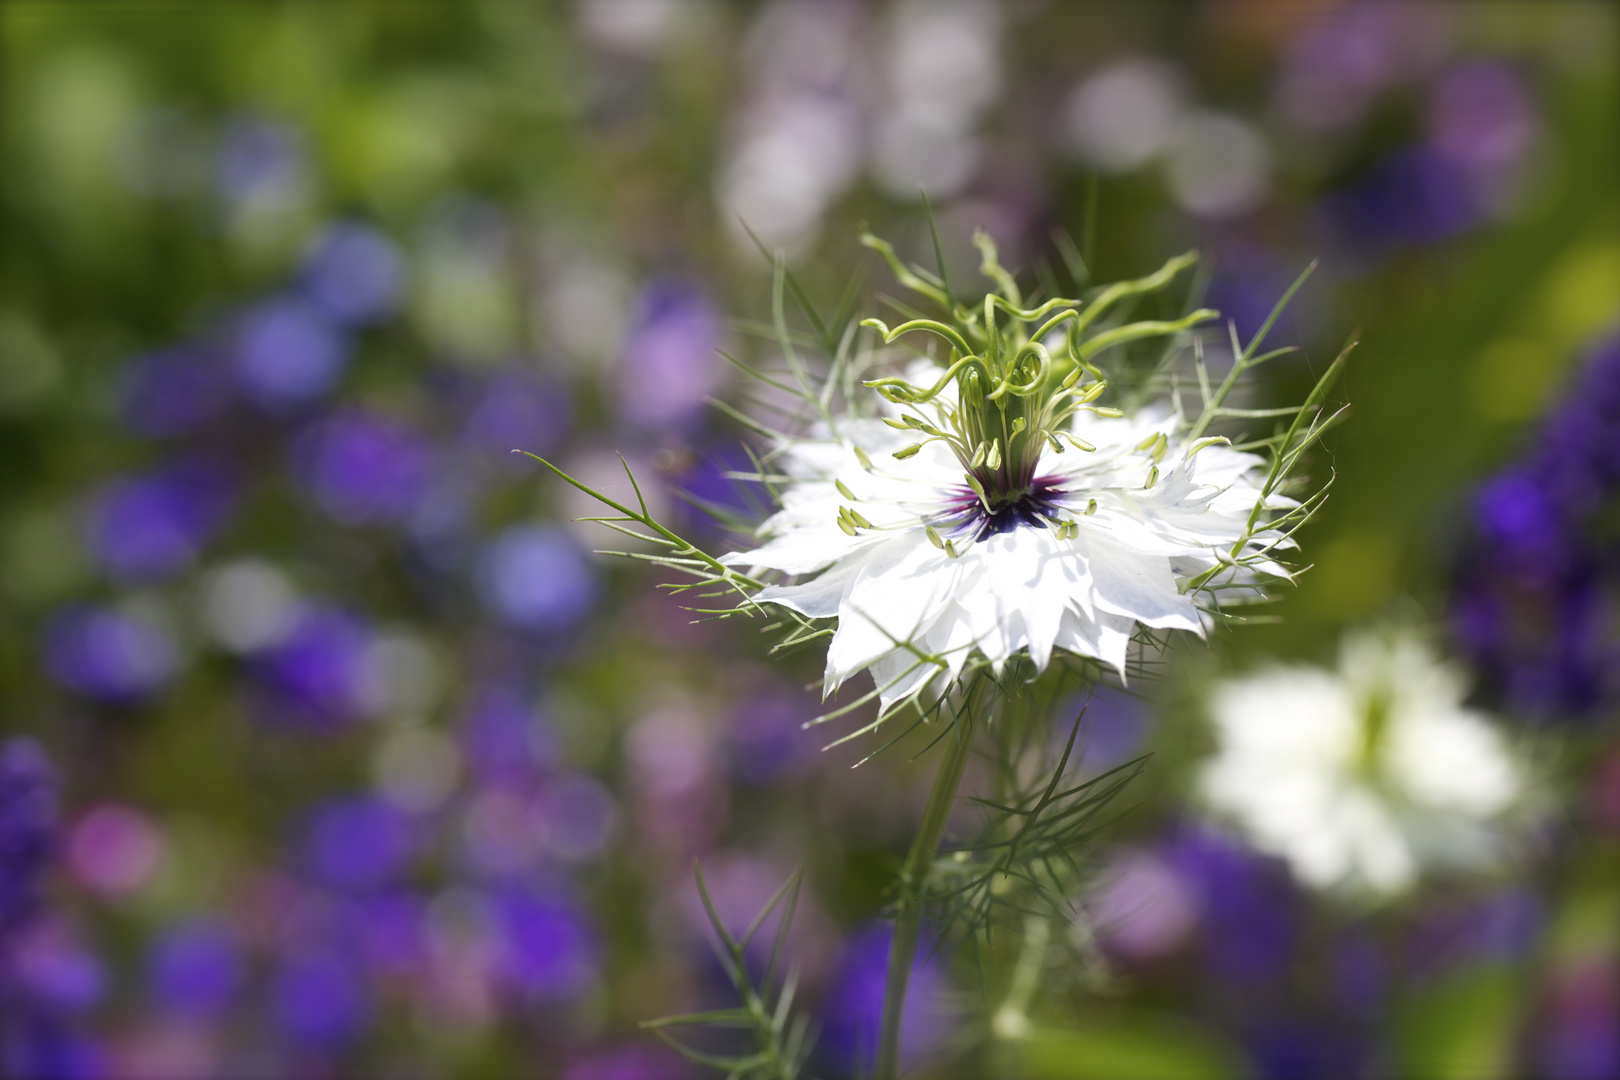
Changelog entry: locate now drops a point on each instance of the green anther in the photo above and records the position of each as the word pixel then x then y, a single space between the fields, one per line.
pixel 978 456
pixel 1109 411
pixel 860 456
pixel 859 521
pixel 843 489
pixel 1081 443
pixel 1018 425
pixel 1092 392
pixel 993 458
pixel 1153 477
pixel 1069 381
pixel 1091 507
pixel 1147 442
pixel 849 530
pixel 1057 447
pixel 933 537
pixel 908 451
pixel 1159 447
pixel 950 549
pixel 898 425
pixel 912 422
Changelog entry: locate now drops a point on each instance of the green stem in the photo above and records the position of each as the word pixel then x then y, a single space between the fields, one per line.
pixel 908 917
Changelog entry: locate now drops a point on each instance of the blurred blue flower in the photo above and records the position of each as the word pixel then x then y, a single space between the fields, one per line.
pixel 319 1001
pixel 519 411
pixel 315 676
pixel 27 829
pixel 355 273
pixel 358 842
pixel 853 1012
pixel 548 947
pixel 363 468
pixel 289 353
pixel 171 392
pixel 1533 601
pixel 108 655
pixel 194 969
pixel 534 577
pixel 145 528
pixel 670 367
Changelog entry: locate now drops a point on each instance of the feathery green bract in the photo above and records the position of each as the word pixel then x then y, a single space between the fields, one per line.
pixel 781 1036
pixel 1029 854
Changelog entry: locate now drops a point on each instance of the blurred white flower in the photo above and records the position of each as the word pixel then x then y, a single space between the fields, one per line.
pixel 1218 166
pixel 1123 116
pixel 1360 777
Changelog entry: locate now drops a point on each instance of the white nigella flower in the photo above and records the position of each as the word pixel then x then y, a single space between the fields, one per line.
pixel 993 509
pixel 1359 777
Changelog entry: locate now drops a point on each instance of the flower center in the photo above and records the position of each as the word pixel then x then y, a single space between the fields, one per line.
pixel 967 516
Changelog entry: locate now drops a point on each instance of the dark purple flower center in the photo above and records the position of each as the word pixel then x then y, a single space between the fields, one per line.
pixel 965 513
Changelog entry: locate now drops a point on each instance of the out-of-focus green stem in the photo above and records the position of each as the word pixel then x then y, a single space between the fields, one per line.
pixel 908 916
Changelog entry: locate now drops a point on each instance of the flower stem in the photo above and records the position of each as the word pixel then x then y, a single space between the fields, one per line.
pixel 908 916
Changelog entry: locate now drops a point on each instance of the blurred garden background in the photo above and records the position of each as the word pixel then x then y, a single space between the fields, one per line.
pixel 330 748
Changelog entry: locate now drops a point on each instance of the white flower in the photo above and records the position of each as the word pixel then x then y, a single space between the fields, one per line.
pixel 1056 550
pixel 1361 776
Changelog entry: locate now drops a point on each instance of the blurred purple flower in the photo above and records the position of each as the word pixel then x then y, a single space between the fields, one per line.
pixel 27 830
pixel 533 577
pixel 854 1010
pixel 548 948
pixel 1246 903
pixel 145 528
pixel 670 366
pixel 519 411
pixel 288 354
pixel 260 161
pixel 42 1045
pixel 316 674
pixel 108 655
pixel 502 736
pixel 171 392
pixel 194 969
pixel 579 815
pixel 392 935
pixel 363 468
pixel 1360 975
pixel 355 273
pixel 358 842
pixel 1580 1039
pixel 767 735
pixel 53 971
pixel 630 1063
pixel 1481 117
pixel 319 1001
pixel 1113 729
pixel 1143 908
pixel 1413 196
